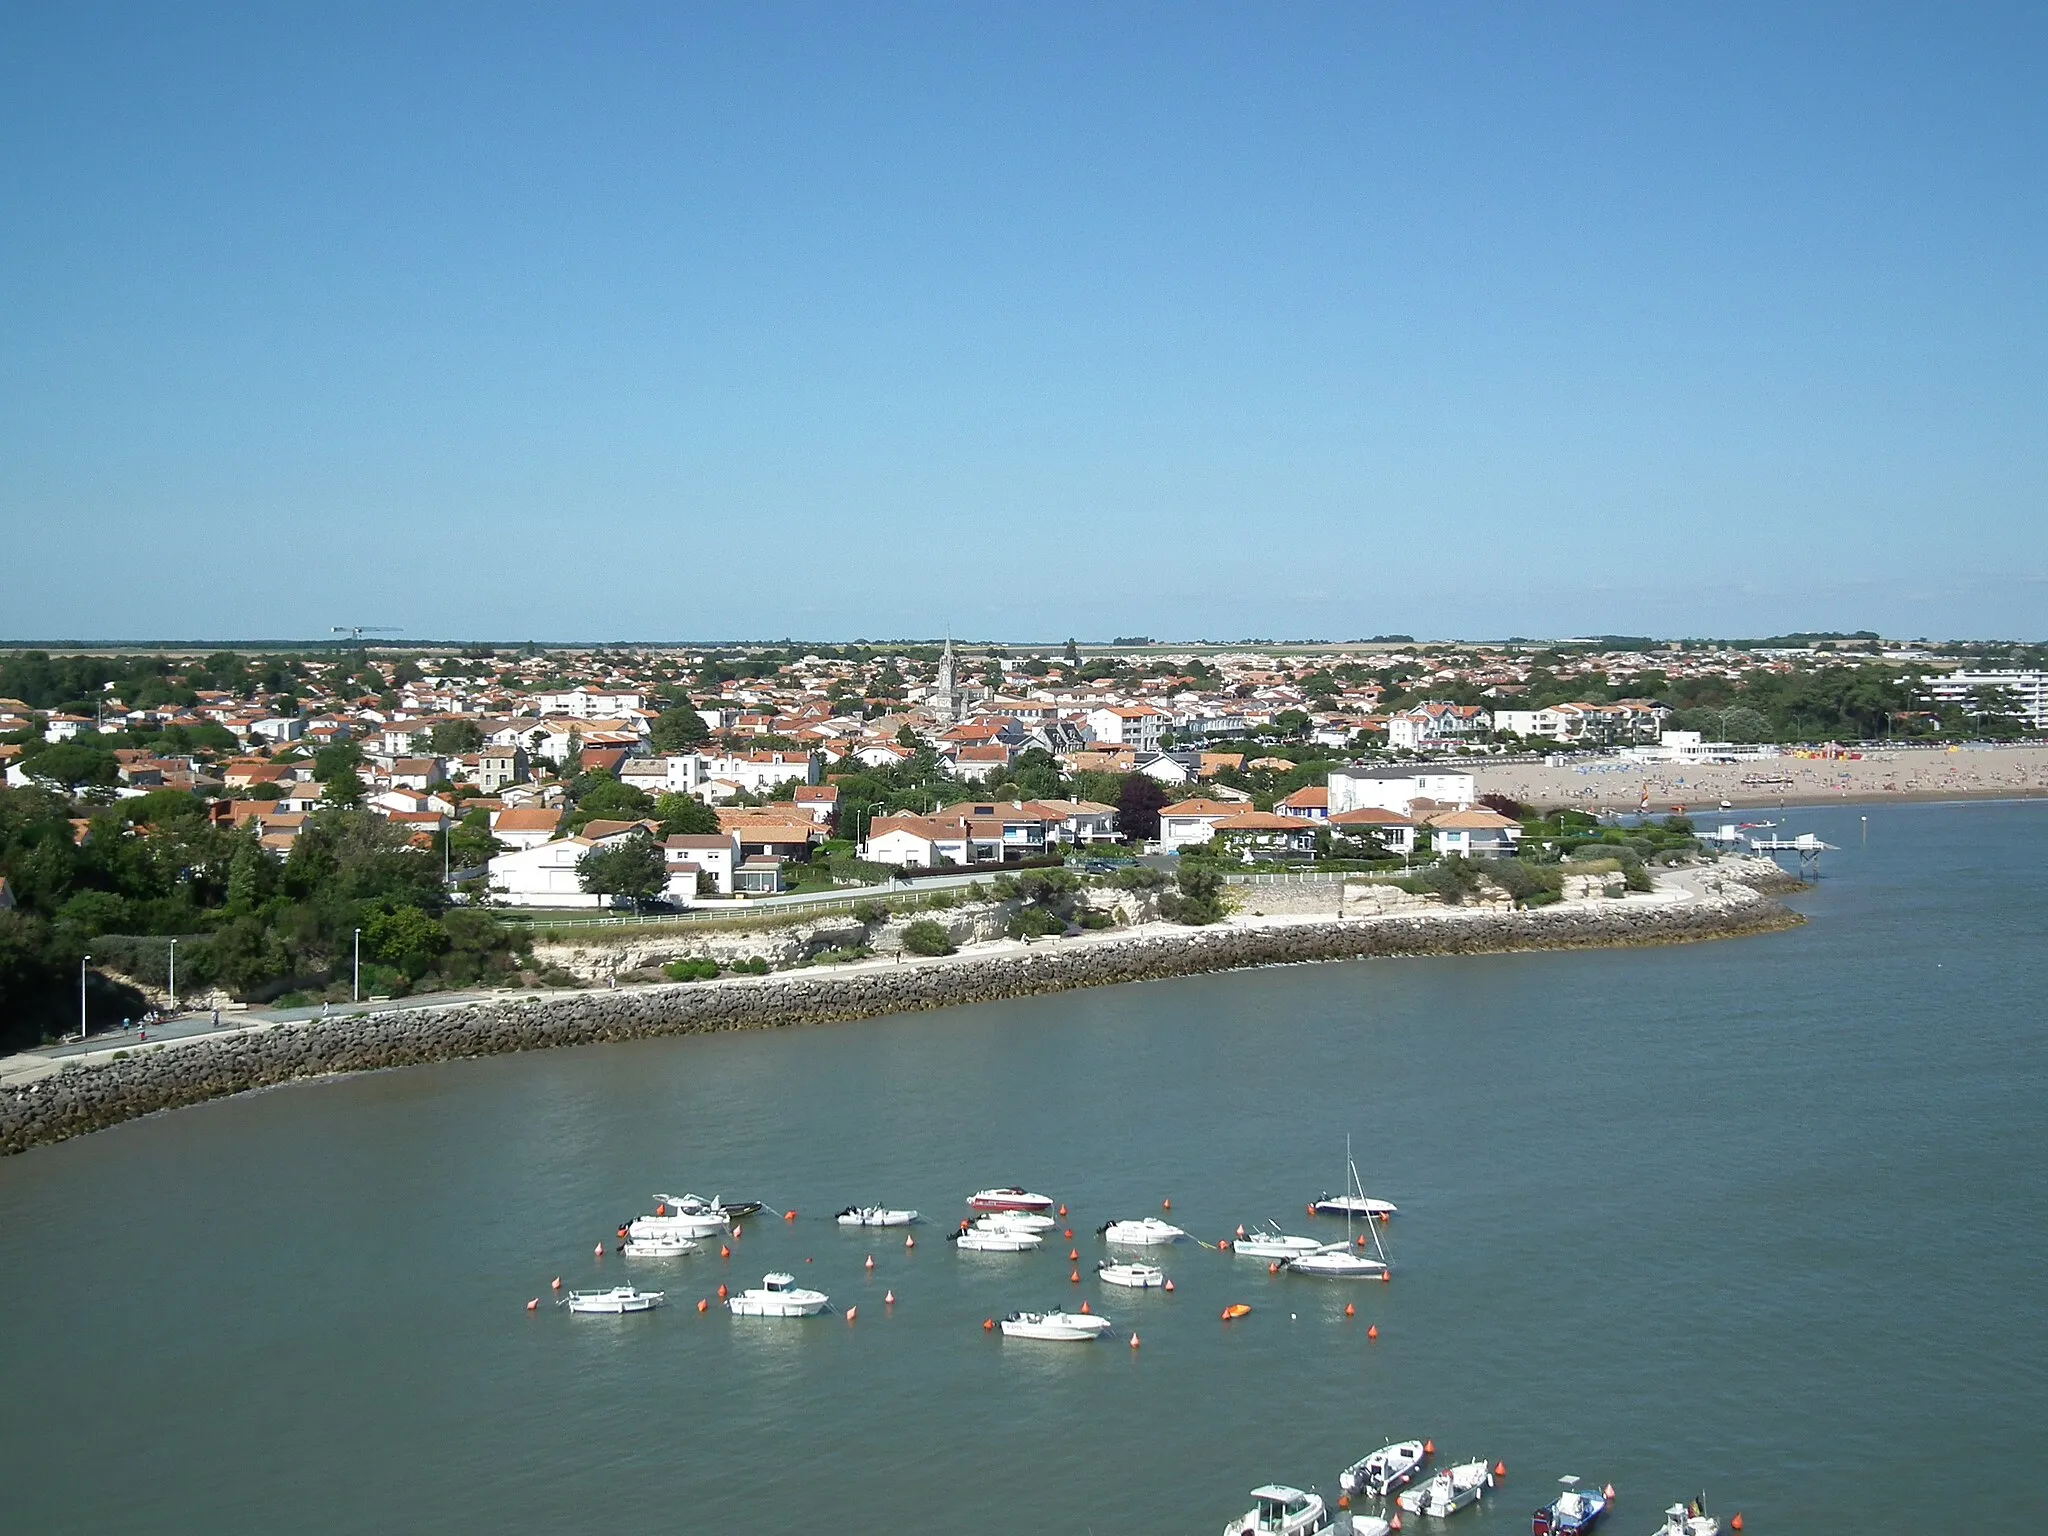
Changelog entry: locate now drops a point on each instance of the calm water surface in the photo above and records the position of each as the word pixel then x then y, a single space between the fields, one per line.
pixel 1765 1217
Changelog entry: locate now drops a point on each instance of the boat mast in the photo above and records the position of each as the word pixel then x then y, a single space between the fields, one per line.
pixel 1372 1224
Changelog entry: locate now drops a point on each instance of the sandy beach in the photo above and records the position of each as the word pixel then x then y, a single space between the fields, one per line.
pixel 1897 773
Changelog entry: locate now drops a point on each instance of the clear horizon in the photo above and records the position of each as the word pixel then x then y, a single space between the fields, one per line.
pixel 1340 321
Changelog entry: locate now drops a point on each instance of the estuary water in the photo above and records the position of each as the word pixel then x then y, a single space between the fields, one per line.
pixel 1765 1218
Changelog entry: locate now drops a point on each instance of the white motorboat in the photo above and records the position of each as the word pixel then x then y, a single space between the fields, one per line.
pixel 1278 1510
pixel 875 1216
pixel 1010 1199
pixel 1354 1202
pixel 1385 1471
pixel 1139 1277
pixel 657 1247
pixel 1063 1327
pixel 1370 1525
pixel 1271 1243
pixel 1689 1520
pixel 1017 1221
pixel 1337 1261
pixel 727 1211
pixel 674 1226
pixel 1147 1232
pixel 995 1240
pixel 1449 1490
pixel 619 1299
pixel 778 1295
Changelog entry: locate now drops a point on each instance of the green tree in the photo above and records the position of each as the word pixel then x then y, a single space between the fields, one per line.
pixel 925 937
pixel 685 816
pixel 335 758
pixel 678 729
pixel 407 938
pixel 343 790
pixel 1200 897
pixel 632 867
pixel 73 765
pixel 450 738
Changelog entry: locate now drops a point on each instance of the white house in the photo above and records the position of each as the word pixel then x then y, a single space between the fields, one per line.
pixel 544 875
pixel 715 855
pixel 757 772
pixel 915 842
pixel 1187 822
pixel 1137 725
pixel 1396 788
pixel 1476 834
pixel 525 826
pixel 1436 724
pixel 588 703
pixel 1395 831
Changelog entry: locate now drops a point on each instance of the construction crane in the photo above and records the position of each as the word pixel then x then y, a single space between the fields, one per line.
pixel 357 631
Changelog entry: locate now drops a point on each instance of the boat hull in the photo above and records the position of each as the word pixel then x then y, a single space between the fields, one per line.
pixel 1008 1200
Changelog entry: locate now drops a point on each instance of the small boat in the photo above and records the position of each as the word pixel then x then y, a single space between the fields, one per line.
pixel 696 1205
pixel 619 1299
pixel 1017 1221
pixel 1689 1520
pixel 1449 1491
pixel 995 1240
pixel 1576 1509
pixel 1139 1277
pixel 1236 1310
pixel 657 1247
pixel 1336 1261
pixel 1278 1510
pixel 1370 1525
pixel 1147 1232
pixel 1385 1471
pixel 778 1295
pixel 1271 1243
pixel 1353 1202
pixel 675 1226
pixel 875 1216
pixel 1064 1327
pixel 1011 1199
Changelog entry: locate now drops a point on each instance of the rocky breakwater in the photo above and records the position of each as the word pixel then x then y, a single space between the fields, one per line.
pixel 90 1097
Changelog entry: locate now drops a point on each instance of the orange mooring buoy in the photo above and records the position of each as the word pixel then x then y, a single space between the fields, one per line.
pixel 852 1313
pixel 555 1284
pixel 1311 1207
pixel 1385 1276
pixel 1350 1310
pixel 724 1252
pixel 1169 1285
pixel 1166 1205
pixel 1240 1229
pixel 600 1250
pixel 789 1215
pixel 1073 1254
pixel 1063 1210
pixel 1373 1331
pixel 888 1298
pixel 1395 1523
pixel 703 1305
pixel 1500 1469
pixel 1223 1245
pixel 910 1242
pixel 1343 1501
pixel 1134 1341
pixel 988 1325
pixel 1273 1269
pixel 1075 1277
pixel 1736 1523
pixel 1068 1234
pixel 871 1261
pixel 533 1305
pixel 1429 1447
pixel 721 1292
pixel 1607 1493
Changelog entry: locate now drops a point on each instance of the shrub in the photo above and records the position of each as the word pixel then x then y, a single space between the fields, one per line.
pixel 1138 877
pixel 870 911
pixel 1036 922
pixel 925 937
pixel 690 970
pixel 756 966
pixel 1199 899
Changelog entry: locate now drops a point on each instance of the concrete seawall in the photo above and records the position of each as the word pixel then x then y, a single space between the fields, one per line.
pixel 91 1097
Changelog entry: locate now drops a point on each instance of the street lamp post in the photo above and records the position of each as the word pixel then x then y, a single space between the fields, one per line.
pixel 174 976
pixel 83 961
pixel 355 990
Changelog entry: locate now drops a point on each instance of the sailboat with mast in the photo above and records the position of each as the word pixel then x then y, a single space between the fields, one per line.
pixel 1343 1261
pixel 1354 1201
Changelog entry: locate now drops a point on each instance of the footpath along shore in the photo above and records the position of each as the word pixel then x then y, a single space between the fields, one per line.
pixel 1874 776
pixel 44 1100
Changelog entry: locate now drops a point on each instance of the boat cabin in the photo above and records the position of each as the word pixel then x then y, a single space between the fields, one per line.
pixel 1285 1511
pixel 778 1282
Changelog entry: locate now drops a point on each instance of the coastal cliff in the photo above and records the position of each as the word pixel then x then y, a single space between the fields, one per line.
pixel 91 1097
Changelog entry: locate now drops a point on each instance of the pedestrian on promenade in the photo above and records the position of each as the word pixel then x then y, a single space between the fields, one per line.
pixel 216 1018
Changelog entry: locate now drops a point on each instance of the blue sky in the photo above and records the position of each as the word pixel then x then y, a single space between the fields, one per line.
pixel 619 322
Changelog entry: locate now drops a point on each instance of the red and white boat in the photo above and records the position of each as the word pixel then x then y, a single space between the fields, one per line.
pixel 1008 1200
